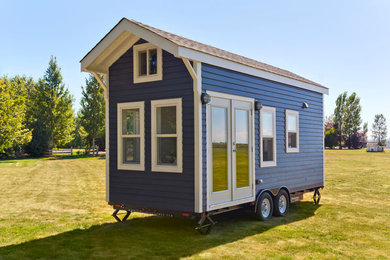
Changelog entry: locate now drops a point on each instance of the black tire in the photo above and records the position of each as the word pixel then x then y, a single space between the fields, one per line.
pixel 281 203
pixel 264 207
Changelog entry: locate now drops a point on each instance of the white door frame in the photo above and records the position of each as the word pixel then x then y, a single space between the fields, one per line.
pixel 233 202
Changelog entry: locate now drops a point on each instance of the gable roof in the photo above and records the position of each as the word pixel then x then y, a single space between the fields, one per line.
pixel 191 44
pixel 182 46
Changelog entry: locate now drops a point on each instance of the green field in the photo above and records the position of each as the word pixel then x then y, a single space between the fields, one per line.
pixel 55 208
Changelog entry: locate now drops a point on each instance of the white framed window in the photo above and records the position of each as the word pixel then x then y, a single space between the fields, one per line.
pixel 267 136
pixel 147 63
pixel 167 146
pixel 292 131
pixel 131 136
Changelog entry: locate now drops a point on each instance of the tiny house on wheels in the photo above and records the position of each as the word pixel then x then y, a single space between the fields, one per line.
pixel 194 131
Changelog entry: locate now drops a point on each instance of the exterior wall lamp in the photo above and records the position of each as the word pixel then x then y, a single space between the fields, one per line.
pixel 205 98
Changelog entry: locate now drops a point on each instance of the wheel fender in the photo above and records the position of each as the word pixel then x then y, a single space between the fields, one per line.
pixel 273 192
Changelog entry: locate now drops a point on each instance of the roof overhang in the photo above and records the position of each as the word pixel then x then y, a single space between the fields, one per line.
pixel 126 33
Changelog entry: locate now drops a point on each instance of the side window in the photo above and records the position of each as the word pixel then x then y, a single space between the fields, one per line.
pixel 167 135
pixel 131 139
pixel 267 137
pixel 147 63
pixel 292 131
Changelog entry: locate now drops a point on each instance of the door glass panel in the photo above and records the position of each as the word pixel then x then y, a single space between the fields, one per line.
pixel 242 148
pixel 219 148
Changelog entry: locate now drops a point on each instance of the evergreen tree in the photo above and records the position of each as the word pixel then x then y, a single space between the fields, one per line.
pixel 352 118
pixel 93 109
pixel 379 129
pixel 79 135
pixel 52 105
pixel 339 115
pixel 13 132
pixel 347 117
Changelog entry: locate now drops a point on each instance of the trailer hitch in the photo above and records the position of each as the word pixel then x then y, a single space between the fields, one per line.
pixel 205 224
pixel 114 214
pixel 316 196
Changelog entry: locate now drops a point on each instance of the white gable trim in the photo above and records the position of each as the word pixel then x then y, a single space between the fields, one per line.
pixel 87 63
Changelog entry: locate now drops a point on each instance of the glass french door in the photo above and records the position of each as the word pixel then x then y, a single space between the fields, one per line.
pixel 230 160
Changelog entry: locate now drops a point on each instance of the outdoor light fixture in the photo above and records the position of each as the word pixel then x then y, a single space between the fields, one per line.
pixel 305 105
pixel 205 98
pixel 258 105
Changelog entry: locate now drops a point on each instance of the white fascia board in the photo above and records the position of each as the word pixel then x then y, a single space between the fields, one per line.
pixel 212 60
pixel 126 25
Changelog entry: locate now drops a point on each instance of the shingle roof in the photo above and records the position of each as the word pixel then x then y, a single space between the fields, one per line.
pixel 191 44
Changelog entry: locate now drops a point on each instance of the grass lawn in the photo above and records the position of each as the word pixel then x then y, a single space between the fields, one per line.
pixel 55 208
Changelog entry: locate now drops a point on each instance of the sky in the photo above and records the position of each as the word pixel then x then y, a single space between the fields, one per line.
pixel 343 45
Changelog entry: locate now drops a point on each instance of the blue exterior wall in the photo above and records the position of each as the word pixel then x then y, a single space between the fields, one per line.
pixel 297 171
pixel 173 191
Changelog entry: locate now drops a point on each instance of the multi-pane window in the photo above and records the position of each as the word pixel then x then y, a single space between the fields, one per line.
pixel 167 135
pixel 147 63
pixel 292 131
pixel 267 137
pixel 131 136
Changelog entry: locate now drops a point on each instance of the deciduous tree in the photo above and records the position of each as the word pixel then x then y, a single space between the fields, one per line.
pixel 379 129
pixel 93 109
pixel 13 132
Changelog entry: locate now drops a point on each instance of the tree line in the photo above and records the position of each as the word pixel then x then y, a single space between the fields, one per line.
pixel 344 128
pixel 38 116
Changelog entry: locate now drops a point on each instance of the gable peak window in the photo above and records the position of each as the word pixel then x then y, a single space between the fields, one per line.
pixel 147 63
pixel 292 131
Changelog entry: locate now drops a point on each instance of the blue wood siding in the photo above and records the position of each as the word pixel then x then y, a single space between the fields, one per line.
pixel 297 171
pixel 173 191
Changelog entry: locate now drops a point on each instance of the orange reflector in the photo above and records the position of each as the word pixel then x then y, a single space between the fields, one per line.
pixel 117 206
pixel 184 214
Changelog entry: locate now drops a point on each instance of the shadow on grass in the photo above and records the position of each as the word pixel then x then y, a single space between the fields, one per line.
pixel 80 156
pixel 150 237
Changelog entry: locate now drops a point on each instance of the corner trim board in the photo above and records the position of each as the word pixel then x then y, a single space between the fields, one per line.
pixel 196 74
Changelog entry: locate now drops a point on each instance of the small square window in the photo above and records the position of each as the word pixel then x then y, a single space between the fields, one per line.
pixel 147 63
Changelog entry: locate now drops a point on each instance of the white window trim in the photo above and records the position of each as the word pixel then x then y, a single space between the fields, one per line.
pixel 146 78
pixel 179 135
pixel 141 135
pixel 294 113
pixel 273 111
